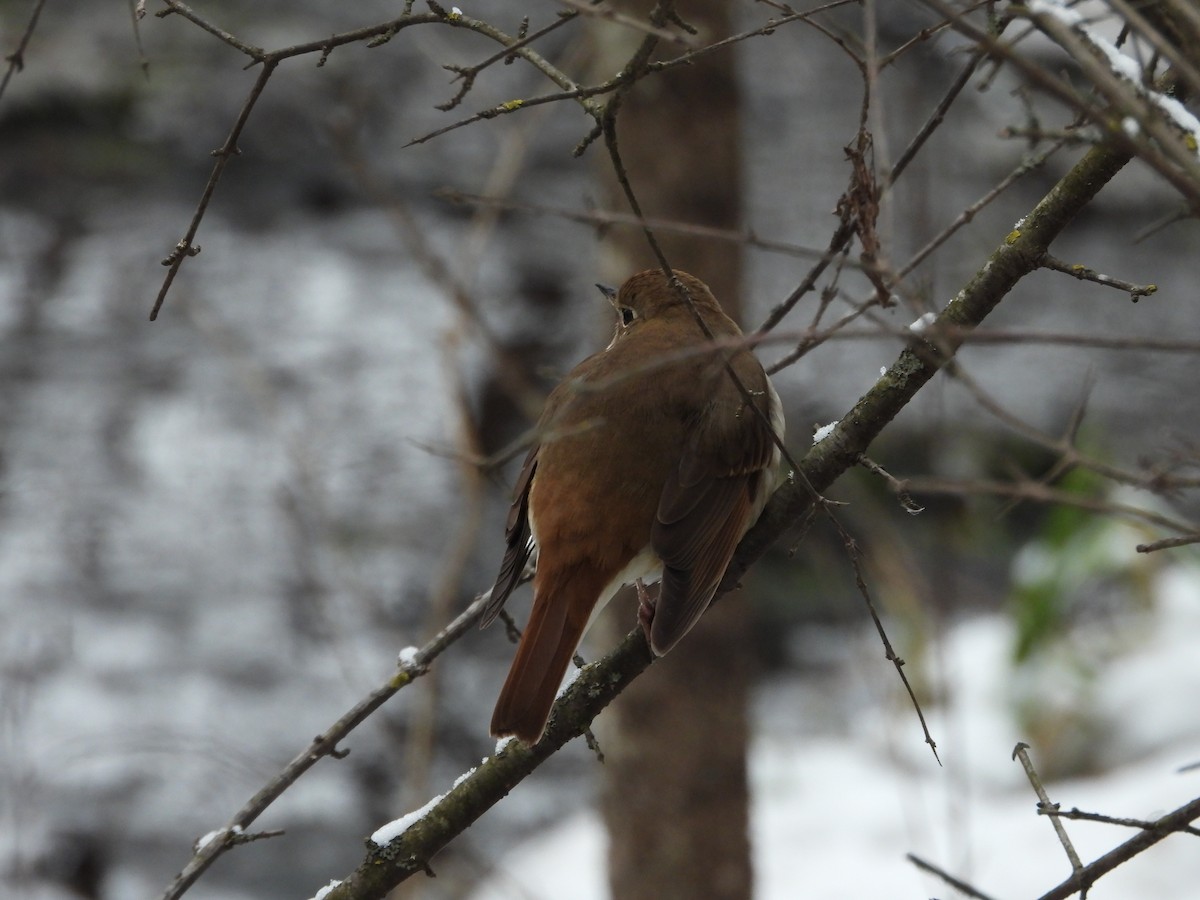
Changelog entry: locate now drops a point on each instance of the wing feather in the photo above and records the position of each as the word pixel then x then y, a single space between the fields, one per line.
pixel 518 536
pixel 708 501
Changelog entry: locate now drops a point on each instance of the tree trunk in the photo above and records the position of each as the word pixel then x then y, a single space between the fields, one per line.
pixel 675 795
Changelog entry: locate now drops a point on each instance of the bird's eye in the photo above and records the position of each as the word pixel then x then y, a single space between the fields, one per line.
pixel 626 316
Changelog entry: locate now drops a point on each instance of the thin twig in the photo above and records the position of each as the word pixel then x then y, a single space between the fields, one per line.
pixel 602 218
pixel 1069 455
pixel 845 231
pixel 16 59
pixel 137 12
pixel 468 74
pixel 898 486
pixel 1083 273
pixel 1036 161
pixel 374 34
pixel 1079 815
pixel 1037 492
pixel 957 883
pixel 936 118
pixel 176 7
pixel 1021 753
pixel 1169 543
pixel 186 247
pixel 852 552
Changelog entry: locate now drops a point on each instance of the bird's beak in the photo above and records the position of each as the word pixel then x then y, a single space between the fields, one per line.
pixel 610 293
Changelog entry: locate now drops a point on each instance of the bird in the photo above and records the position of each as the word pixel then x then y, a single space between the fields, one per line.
pixel 650 463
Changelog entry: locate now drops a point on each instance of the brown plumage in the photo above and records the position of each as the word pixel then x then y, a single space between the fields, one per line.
pixel 649 461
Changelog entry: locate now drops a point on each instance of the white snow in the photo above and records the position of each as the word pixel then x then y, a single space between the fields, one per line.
pixel 324 892
pixel 393 829
pixel 921 325
pixel 825 431
pixel 407 656
pixel 214 835
pixel 209 838
pixel 1124 66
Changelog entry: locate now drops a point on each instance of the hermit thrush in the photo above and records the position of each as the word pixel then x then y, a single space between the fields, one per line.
pixel 649 463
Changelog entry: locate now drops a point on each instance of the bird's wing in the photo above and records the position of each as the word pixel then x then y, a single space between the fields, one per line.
pixel 707 502
pixel 519 540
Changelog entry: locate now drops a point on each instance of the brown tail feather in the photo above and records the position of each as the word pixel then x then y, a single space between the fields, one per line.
pixel 561 609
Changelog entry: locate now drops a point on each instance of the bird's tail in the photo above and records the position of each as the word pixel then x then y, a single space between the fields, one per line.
pixel 562 605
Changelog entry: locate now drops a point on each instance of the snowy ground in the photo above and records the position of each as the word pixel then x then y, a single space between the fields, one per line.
pixel 835 814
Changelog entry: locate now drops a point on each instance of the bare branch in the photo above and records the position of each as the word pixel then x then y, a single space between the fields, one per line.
pixel 1083 273
pixel 186 248
pixel 1172 822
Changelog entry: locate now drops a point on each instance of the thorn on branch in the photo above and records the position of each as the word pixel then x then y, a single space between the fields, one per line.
pixel 522 33
pixel 810 516
pixel 589 738
pixel 233 836
pixel 440 10
pixel 590 138
pixel 674 18
pixel 468 81
pixel 182 249
pixel 899 487
pixel 333 751
pixel 511 631
pixel 246 837
pixel 381 39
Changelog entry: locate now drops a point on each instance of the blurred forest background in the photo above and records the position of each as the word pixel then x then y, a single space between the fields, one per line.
pixel 218 529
